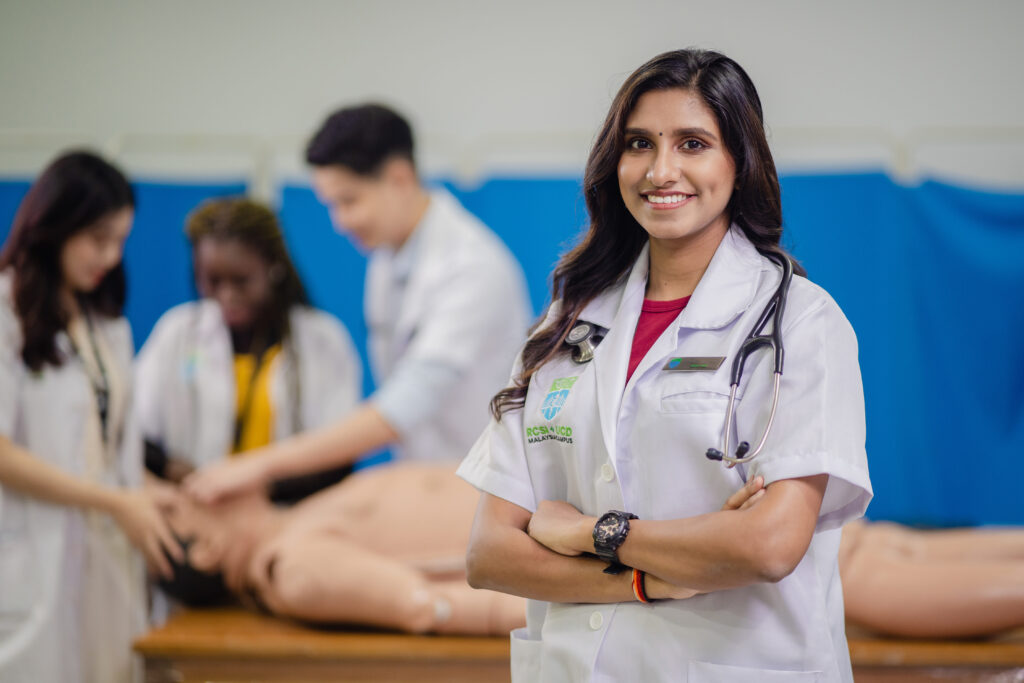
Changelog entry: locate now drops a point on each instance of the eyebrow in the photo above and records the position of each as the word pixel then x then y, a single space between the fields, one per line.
pixel 678 132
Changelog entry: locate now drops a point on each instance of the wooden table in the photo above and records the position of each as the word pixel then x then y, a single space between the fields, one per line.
pixel 885 660
pixel 234 645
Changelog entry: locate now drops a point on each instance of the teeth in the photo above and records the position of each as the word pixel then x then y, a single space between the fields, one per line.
pixel 669 199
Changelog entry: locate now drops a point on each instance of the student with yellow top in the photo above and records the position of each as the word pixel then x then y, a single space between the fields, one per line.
pixel 251 362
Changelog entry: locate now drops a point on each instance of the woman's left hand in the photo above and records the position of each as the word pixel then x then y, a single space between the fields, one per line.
pixel 562 528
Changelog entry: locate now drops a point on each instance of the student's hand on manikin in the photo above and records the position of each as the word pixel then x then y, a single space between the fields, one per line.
pixel 139 513
pixel 220 480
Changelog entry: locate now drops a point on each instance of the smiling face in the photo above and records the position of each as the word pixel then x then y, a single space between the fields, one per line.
pixel 91 253
pixel 675 174
pixel 368 208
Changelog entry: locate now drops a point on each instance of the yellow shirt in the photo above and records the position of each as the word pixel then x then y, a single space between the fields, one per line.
pixel 258 422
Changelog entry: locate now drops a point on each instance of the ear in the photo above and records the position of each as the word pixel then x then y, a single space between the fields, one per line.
pixel 400 172
pixel 276 273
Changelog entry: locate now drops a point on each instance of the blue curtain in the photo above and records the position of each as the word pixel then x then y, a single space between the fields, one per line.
pixel 931 277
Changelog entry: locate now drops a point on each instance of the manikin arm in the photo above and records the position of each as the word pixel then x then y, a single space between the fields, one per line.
pixel 324 577
pixel 933 584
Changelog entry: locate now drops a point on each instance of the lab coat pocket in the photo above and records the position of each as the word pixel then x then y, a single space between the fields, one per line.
pixel 706 672
pixel 696 393
pixel 525 656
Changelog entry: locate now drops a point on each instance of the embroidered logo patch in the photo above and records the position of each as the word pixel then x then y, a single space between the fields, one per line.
pixel 557 396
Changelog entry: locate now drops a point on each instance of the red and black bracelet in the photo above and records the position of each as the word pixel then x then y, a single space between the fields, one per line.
pixel 638 586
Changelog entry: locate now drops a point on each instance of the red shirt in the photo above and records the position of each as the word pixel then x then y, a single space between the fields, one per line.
pixel 655 316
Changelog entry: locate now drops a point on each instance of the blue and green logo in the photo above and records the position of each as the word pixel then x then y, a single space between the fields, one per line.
pixel 557 396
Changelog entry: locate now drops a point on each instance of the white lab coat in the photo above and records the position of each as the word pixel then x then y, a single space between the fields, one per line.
pixel 642 448
pixel 43 547
pixel 185 382
pixel 465 307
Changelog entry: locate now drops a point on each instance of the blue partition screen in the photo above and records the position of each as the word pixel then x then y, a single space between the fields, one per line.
pixel 931 277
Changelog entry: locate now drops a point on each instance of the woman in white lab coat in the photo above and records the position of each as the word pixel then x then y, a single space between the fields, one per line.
pixel 71 585
pixel 684 206
pixel 251 362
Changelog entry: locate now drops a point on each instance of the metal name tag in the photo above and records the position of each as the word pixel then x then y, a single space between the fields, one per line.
pixel 694 364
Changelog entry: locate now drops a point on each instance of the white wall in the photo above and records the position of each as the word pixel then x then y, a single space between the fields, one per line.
pixel 519 85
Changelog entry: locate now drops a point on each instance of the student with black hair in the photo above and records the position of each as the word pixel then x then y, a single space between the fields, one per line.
pixel 445 304
pixel 601 495
pixel 251 362
pixel 72 513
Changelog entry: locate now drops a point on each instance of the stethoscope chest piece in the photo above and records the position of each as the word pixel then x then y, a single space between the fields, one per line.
pixel 585 337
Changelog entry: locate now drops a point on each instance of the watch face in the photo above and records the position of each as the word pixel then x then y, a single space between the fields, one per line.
pixel 607 527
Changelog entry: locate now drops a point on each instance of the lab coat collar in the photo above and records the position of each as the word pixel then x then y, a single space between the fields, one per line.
pixel 412 265
pixel 403 258
pixel 726 290
pixel 728 286
pixel 210 329
pixel 617 310
pixel 604 309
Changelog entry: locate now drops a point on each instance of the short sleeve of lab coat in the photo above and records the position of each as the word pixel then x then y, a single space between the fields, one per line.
pixel 497 462
pixel 819 426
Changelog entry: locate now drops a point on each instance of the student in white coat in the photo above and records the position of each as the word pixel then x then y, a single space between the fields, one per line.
pixel 251 362
pixel 71 585
pixel 684 206
pixel 445 304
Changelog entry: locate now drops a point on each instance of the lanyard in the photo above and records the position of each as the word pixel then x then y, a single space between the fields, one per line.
pixel 101 385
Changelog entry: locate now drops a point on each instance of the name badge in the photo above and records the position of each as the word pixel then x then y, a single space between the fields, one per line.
pixel 694 364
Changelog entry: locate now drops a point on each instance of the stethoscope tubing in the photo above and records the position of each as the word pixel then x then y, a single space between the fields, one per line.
pixel 755 340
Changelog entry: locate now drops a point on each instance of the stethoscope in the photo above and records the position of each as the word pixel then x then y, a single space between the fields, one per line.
pixel 585 336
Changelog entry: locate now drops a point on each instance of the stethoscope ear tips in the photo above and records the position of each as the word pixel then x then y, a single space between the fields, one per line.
pixel 742 449
pixel 714 454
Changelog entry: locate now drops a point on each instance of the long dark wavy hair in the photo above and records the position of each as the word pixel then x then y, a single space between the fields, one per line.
pixel 75 191
pixel 613 241
pixel 255 226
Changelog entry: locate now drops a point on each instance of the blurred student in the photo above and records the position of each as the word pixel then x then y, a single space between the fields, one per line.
pixel 445 303
pixel 251 362
pixel 71 584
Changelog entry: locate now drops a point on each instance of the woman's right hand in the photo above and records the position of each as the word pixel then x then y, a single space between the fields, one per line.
pixel 656 589
pixel 213 483
pixel 139 515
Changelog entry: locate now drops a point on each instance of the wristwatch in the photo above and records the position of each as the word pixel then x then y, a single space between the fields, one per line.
pixel 609 533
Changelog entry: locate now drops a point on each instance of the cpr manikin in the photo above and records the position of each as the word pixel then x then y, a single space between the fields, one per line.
pixel 384 547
